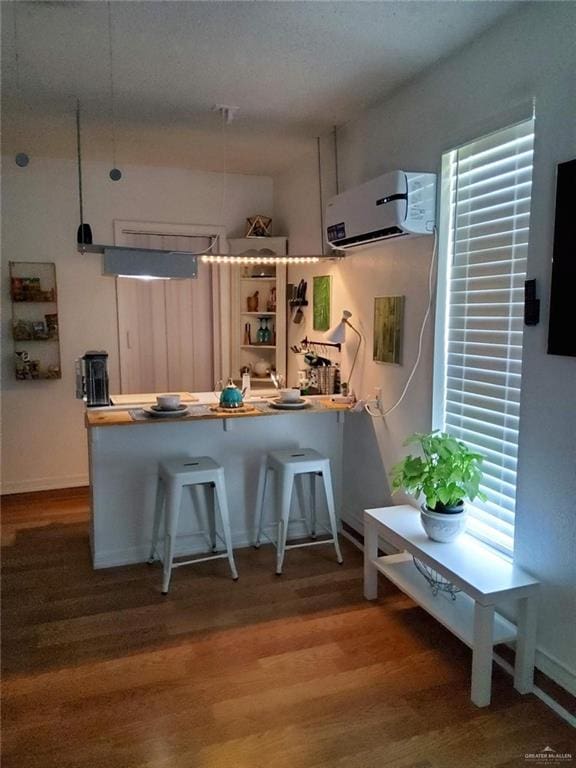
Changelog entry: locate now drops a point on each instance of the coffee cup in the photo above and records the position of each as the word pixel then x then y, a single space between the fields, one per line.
pixel 168 402
pixel 289 395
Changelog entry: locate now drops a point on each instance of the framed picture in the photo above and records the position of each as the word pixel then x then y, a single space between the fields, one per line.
pixel 321 302
pixel 388 322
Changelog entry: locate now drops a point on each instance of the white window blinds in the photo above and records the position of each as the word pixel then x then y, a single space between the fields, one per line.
pixel 488 184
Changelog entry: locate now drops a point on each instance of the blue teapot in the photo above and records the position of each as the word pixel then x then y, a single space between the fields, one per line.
pixel 231 396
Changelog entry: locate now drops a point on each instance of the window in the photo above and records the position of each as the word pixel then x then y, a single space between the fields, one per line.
pixel 485 214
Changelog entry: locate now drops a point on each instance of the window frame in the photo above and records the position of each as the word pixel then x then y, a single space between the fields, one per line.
pixel 441 334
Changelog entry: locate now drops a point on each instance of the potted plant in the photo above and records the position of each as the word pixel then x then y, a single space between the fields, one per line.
pixel 447 474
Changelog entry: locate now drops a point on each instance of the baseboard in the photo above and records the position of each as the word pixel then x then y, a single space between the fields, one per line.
pixel 187 545
pixel 556 671
pixel 43 484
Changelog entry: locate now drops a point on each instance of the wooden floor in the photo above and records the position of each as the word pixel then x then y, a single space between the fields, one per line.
pixel 296 671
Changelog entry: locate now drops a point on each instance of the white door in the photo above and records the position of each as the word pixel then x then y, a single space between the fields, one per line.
pixel 165 327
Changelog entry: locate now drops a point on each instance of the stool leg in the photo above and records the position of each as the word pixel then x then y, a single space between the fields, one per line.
pixel 284 484
pixel 173 499
pixel 260 498
pixel 299 484
pixel 225 517
pixel 209 491
pixel 327 477
pixel 313 505
pixel 157 518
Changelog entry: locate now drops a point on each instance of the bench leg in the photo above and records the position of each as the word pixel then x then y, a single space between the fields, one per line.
pixel 482 654
pixel 370 554
pixel 525 645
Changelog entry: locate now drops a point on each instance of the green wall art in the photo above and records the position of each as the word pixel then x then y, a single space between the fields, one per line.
pixel 388 321
pixel 321 302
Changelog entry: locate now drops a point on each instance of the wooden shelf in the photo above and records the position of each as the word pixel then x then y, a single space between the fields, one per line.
pixel 34 301
pixel 258 346
pixel 456 615
pixel 269 281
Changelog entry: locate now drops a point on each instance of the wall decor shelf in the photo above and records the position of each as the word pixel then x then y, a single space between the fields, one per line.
pixel 258 305
pixel 258 346
pixel 34 302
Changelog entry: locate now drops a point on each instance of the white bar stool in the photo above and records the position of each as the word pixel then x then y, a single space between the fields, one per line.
pixel 173 476
pixel 289 468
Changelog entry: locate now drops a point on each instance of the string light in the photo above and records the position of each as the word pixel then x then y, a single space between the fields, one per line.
pixel 246 260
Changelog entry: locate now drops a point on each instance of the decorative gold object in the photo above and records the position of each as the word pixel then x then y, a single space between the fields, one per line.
pixel 258 226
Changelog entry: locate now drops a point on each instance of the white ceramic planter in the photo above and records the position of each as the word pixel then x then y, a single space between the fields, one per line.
pixel 443 527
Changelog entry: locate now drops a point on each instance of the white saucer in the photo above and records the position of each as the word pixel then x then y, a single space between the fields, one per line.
pixel 284 406
pixel 165 413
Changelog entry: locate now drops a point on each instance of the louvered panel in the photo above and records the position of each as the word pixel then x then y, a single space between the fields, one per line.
pixel 486 336
pixel 482 256
pixel 501 211
pixel 507 239
pixel 498 186
pixel 463 398
pixel 489 351
pixel 488 282
pixel 483 311
pixel 496 262
pixel 481 427
pixel 479 362
pixel 487 518
pixel 498 471
pixel 490 182
pixel 475 295
pixel 491 196
pixel 490 324
pixel 485 376
pixel 502 225
pixel 474 387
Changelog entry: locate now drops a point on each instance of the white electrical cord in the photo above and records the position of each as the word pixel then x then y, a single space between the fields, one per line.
pixel 382 414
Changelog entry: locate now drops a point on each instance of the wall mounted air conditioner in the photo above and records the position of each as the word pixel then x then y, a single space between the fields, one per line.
pixel 398 204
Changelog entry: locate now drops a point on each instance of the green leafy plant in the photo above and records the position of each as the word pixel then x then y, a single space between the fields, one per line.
pixel 446 474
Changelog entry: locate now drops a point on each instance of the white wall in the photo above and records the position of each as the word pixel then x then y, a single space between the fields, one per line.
pixel 529 54
pixel 44 443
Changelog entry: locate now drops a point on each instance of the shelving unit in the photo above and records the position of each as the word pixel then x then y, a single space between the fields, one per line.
pixel 245 281
pixel 35 326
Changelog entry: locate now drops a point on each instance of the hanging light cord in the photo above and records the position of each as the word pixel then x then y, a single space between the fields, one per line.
pixel 112 91
pixel 383 414
pixel 79 159
pixel 223 119
pixel 319 156
pixel 16 47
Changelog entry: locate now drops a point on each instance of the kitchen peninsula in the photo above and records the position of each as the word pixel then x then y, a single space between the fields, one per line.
pixel 125 447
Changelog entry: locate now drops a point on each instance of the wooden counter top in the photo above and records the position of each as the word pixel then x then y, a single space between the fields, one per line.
pixel 122 418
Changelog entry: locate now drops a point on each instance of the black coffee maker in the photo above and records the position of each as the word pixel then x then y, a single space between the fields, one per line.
pixel 92 379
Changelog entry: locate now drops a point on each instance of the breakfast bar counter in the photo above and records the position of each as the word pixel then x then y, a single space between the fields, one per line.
pixel 123 465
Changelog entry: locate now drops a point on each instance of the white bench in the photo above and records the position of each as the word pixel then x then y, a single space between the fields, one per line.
pixel 483 577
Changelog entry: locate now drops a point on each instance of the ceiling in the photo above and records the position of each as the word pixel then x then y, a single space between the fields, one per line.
pixel 295 69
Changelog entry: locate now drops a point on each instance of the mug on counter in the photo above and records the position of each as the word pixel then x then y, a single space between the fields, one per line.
pixel 168 402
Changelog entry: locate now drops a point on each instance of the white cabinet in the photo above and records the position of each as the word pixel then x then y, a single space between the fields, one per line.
pixel 265 285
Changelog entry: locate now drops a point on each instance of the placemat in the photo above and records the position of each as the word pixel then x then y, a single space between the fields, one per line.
pixel 194 411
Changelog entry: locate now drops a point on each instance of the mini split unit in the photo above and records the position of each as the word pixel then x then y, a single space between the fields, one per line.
pixel 398 204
